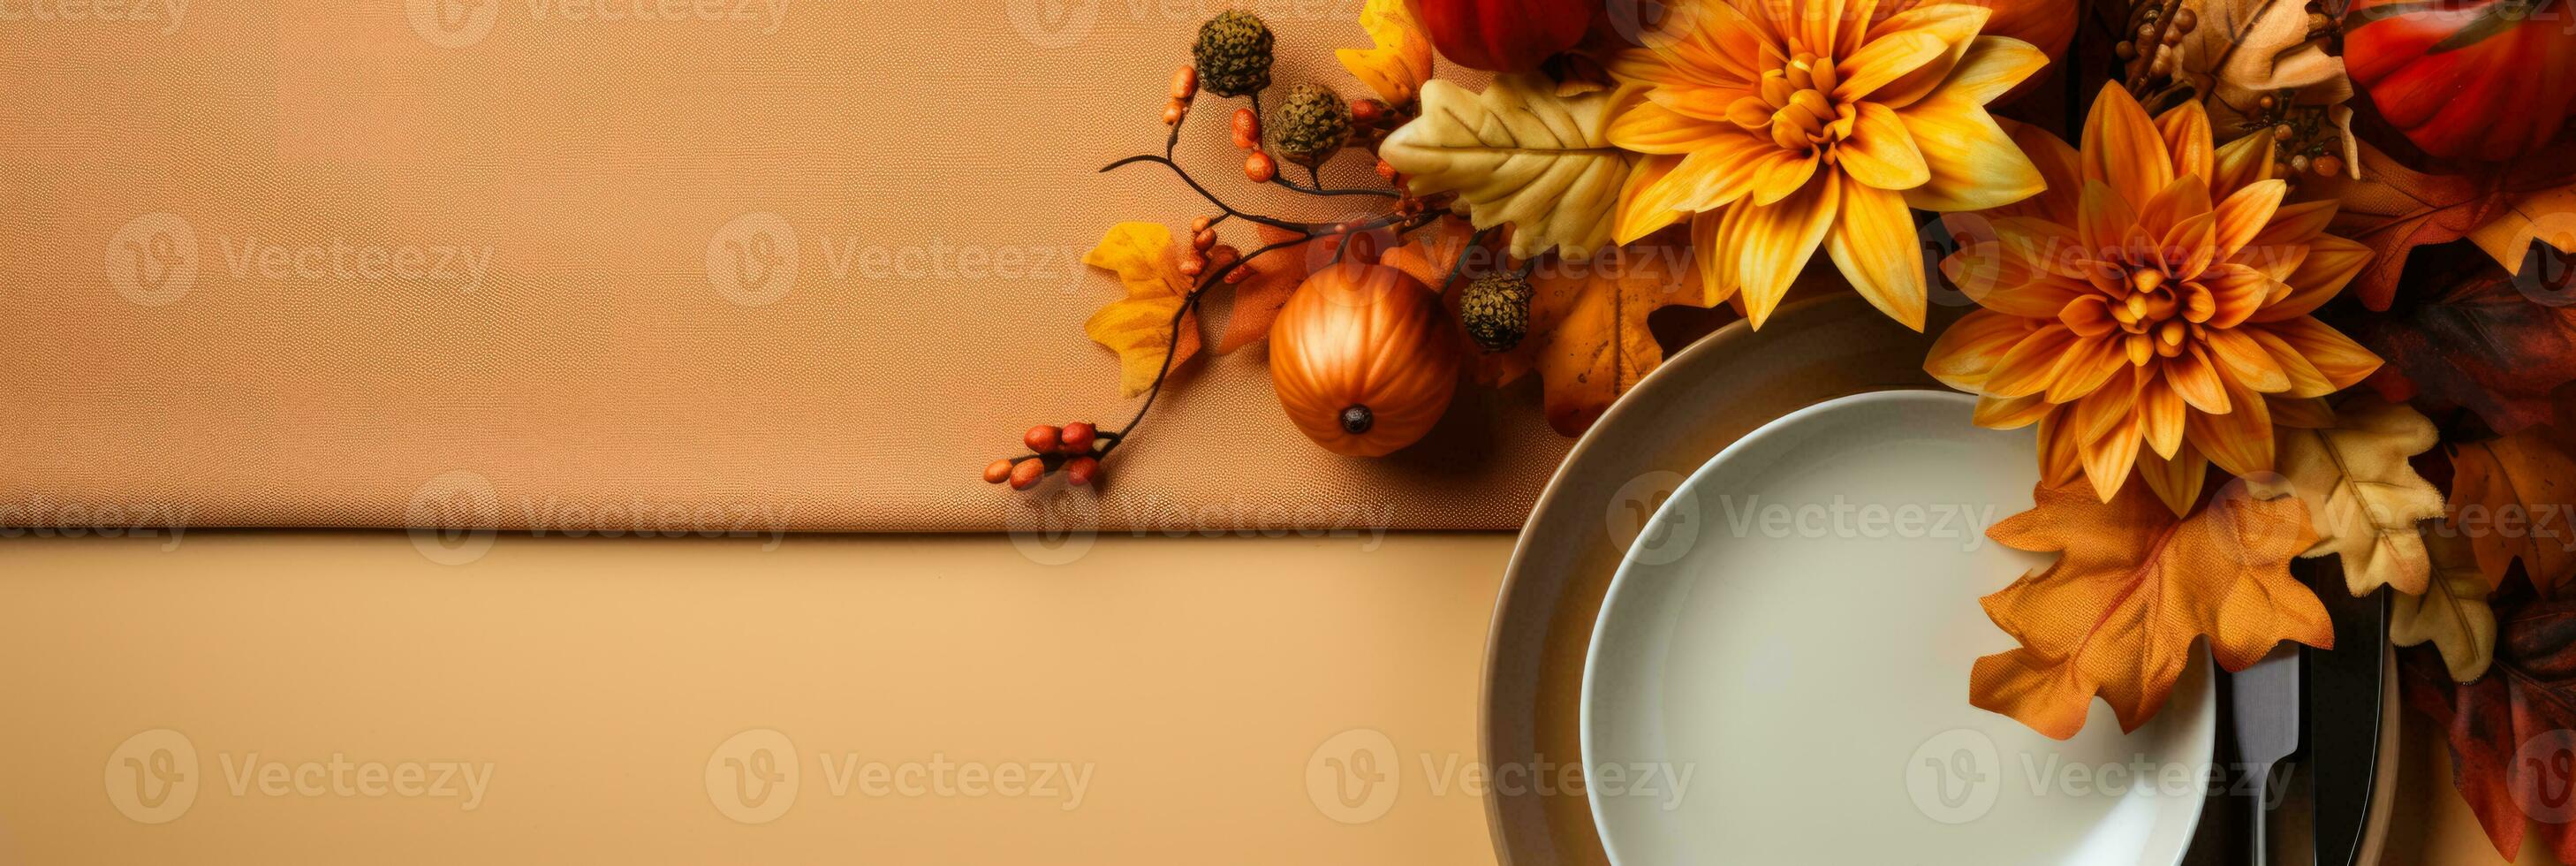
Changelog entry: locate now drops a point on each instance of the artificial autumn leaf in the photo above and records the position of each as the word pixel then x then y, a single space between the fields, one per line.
pixel 2548 216
pixel 1587 334
pixel 2515 499
pixel 2394 209
pixel 1401 61
pixel 1275 278
pixel 2244 50
pixel 2118 612
pixel 2484 344
pixel 2527 700
pixel 1431 253
pixel 1139 327
pixel 2362 497
pixel 1518 154
pixel 2452 613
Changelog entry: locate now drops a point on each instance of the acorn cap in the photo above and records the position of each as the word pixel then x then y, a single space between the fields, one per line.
pixel 1495 309
pixel 1233 54
pixel 1309 125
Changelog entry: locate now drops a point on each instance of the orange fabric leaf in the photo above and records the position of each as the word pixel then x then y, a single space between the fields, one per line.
pixel 1587 335
pixel 2118 612
pixel 2515 498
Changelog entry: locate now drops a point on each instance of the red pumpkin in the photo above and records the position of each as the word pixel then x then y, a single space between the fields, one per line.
pixel 2488 79
pixel 1363 358
pixel 1503 35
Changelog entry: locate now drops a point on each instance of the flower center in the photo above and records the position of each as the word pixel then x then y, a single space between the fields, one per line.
pixel 2156 314
pixel 1794 105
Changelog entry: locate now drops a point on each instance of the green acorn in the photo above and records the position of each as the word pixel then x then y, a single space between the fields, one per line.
pixel 1495 310
pixel 1233 54
pixel 1309 125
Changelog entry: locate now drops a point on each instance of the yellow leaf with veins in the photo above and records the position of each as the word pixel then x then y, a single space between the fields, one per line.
pixel 1401 61
pixel 1519 154
pixel 2453 611
pixel 2362 496
pixel 1139 327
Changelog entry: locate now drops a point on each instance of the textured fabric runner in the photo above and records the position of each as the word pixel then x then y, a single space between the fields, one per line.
pixel 633 264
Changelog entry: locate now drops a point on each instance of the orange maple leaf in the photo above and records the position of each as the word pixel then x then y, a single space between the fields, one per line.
pixel 2512 498
pixel 1587 334
pixel 2117 614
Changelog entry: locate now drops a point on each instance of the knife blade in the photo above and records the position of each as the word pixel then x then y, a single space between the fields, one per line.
pixel 2265 718
pixel 2343 711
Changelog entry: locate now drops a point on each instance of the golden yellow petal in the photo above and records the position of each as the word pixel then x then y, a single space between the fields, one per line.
pixel 2241 162
pixel 2239 440
pixel 2177 481
pixel 2160 413
pixel 2245 360
pixel 1778 174
pixel 2344 362
pixel 2123 148
pixel 1880 153
pixel 2185 129
pixel 1645 126
pixel 1991 67
pixel 2305 379
pixel 2104 218
pixel 1716 270
pixel 2089 364
pixel 1966 353
pixel 2060 455
pixel 2106 409
pixel 2031 365
pixel 1645 203
pixel 1974 165
pixel 2010 413
pixel 2108 460
pixel 2243 215
pixel 1944 20
pixel 2330 264
pixel 1770 244
pixel 2060 170
pixel 2181 199
pixel 1874 244
pixel 1884 61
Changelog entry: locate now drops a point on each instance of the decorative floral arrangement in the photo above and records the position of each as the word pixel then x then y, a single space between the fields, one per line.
pixel 2273 280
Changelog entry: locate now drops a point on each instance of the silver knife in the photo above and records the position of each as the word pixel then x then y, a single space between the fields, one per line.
pixel 2344 703
pixel 2264 698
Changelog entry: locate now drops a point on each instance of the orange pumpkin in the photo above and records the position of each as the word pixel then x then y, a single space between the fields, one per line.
pixel 1364 359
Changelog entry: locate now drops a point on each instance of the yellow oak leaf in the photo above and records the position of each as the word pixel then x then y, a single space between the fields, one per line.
pixel 1401 62
pixel 2452 613
pixel 2364 499
pixel 2118 612
pixel 1140 327
pixel 1518 154
pixel 2547 216
pixel 1587 334
pixel 2515 498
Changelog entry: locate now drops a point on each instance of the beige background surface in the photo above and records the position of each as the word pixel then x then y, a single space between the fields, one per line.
pixel 600 679
pixel 306 263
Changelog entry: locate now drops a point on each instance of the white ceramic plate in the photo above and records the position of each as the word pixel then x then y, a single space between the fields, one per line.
pixel 1780 672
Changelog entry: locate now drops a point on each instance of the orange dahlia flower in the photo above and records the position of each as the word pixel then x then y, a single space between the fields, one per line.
pixel 2158 295
pixel 1781 125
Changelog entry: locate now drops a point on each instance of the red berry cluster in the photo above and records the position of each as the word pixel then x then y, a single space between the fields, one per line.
pixel 1073 448
pixel 1206 253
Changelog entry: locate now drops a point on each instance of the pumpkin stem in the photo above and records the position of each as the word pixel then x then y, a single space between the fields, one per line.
pixel 1357 420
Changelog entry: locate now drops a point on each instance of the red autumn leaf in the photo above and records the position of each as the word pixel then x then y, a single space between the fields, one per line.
pixel 2513 732
pixel 2394 209
pixel 2489 344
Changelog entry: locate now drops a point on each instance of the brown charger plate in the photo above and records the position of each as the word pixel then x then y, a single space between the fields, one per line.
pixel 1701 400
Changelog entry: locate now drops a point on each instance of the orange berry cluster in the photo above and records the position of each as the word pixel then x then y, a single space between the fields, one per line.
pixel 1185 87
pixel 1206 253
pixel 1069 447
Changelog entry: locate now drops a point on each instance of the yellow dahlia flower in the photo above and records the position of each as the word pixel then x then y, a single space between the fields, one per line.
pixel 2157 294
pixel 1779 125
